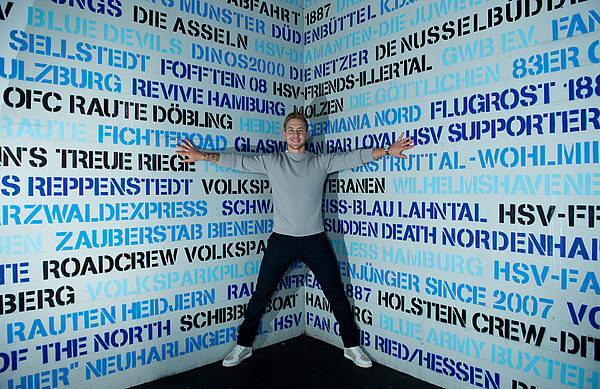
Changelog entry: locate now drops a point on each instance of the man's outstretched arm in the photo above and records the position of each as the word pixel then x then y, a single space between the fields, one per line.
pixel 192 154
pixel 243 163
pixel 396 148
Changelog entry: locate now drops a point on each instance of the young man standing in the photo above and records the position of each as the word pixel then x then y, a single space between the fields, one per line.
pixel 297 179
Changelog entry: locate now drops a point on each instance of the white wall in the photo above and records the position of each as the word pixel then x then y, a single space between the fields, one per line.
pixel 120 275
pixel 427 242
pixel 476 263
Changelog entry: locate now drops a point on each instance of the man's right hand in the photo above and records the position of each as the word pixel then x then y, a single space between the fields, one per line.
pixel 188 151
pixel 192 154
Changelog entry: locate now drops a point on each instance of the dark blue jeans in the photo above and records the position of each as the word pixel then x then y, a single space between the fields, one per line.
pixel 315 251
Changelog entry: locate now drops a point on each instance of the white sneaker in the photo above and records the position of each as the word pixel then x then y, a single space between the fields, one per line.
pixel 358 356
pixel 238 354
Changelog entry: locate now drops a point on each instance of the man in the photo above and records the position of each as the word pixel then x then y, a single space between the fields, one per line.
pixel 297 179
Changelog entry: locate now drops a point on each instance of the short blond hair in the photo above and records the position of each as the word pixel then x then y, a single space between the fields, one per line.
pixel 295 115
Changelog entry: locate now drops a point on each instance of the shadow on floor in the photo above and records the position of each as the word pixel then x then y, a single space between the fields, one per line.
pixel 301 362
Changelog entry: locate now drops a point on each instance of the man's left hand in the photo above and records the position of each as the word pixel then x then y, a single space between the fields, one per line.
pixel 400 145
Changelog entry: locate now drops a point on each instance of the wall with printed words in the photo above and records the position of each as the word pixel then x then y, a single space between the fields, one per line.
pixel 472 263
pixel 118 263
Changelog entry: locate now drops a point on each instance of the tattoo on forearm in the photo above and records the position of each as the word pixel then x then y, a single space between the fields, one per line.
pixel 211 157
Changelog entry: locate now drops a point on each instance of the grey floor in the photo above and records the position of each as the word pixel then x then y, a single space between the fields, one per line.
pixel 301 362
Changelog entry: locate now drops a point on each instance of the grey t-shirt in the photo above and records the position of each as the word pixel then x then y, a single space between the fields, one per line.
pixel 297 184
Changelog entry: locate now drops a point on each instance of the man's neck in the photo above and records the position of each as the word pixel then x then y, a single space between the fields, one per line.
pixel 296 151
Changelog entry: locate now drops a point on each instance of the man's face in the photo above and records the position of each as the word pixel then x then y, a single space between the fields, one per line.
pixel 296 134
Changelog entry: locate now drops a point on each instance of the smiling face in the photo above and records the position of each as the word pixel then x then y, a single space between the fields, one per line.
pixel 296 134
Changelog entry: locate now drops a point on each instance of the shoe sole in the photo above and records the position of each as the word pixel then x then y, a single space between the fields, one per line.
pixel 356 363
pixel 231 364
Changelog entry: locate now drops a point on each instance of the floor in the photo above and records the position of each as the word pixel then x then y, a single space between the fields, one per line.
pixel 301 362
